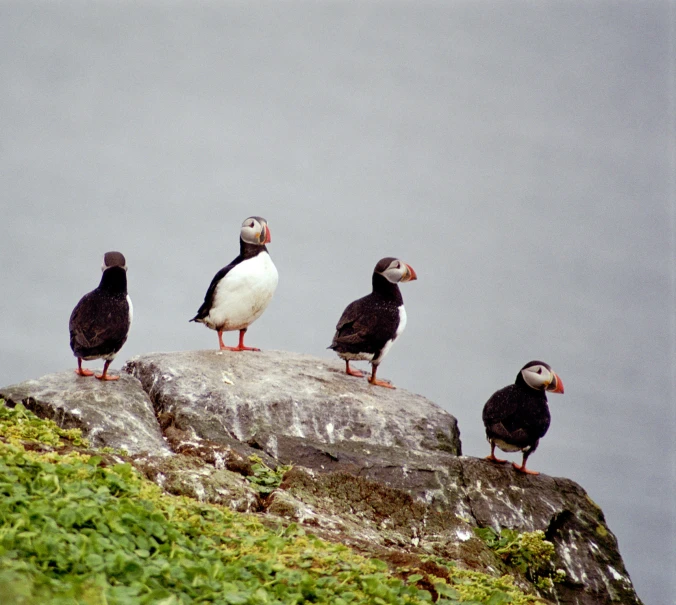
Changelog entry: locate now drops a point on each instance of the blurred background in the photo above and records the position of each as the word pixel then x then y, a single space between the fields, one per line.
pixel 520 157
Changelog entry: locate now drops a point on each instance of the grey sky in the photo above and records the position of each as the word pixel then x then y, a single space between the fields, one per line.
pixel 517 155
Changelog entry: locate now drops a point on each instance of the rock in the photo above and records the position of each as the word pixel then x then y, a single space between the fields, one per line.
pixel 190 476
pixel 267 395
pixel 429 503
pixel 116 414
pixel 376 469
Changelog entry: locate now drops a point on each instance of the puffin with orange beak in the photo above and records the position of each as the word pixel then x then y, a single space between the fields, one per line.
pixel 517 416
pixel 369 326
pixel 241 291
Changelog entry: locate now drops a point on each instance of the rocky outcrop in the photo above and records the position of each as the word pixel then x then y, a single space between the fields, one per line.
pixel 116 414
pixel 379 470
pixel 268 395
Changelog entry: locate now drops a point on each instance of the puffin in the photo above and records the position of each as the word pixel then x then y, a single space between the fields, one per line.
pixel 100 322
pixel 517 416
pixel 369 326
pixel 241 291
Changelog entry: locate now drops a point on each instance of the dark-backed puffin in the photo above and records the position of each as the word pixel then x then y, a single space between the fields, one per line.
pixel 240 292
pixel 100 322
pixel 517 416
pixel 368 326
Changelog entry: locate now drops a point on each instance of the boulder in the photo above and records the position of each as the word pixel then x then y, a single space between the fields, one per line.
pixel 273 394
pixel 115 414
pixel 374 468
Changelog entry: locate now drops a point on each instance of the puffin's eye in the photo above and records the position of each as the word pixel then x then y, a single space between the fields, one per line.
pixel 539 370
pixel 252 224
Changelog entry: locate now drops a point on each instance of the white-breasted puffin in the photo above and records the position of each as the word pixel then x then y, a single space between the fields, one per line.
pixel 517 416
pixel 100 322
pixel 368 326
pixel 240 292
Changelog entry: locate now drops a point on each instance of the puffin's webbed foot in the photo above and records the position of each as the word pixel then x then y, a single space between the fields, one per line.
pixel 352 372
pixel 522 469
pixel 104 375
pixel 493 458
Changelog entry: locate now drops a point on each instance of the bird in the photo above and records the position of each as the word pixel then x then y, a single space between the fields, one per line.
pixel 516 417
pixel 100 322
pixel 369 326
pixel 241 291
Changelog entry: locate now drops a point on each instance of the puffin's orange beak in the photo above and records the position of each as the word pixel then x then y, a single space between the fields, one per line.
pixel 268 239
pixel 556 385
pixel 411 275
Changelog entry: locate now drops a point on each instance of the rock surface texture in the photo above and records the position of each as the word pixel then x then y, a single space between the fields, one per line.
pixel 377 469
pixel 265 396
pixel 115 414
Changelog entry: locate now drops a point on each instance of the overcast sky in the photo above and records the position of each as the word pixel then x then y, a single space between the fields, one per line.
pixel 519 156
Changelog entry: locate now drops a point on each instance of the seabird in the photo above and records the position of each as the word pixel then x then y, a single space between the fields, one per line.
pixel 100 322
pixel 369 326
pixel 241 291
pixel 517 416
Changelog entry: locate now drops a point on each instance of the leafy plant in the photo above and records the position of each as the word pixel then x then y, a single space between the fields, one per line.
pixel 75 530
pixel 528 552
pixel 265 479
pixel 18 424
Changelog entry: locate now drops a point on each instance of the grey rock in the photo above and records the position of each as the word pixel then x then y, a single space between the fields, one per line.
pixel 451 495
pixel 272 394
pixel 377 469
pixel 115 414
pixel 190 476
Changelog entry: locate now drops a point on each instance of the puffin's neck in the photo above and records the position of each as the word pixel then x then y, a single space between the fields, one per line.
pixel 114 280
pixel 387 289
pixel 250 250
pixel 522 384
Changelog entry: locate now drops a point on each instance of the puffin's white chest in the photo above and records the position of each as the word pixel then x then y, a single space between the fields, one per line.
pixel 400 329
pixel 244 293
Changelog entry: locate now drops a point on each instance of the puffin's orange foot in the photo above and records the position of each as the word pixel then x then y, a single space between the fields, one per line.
pixel 381 383
pixel 353 372
pixel 84 372
pixel 492 458
pixel 523 469
pixel 242 348
pixel 107 377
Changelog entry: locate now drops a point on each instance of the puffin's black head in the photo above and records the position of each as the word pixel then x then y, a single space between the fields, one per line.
pixel 255 231
pixel 113 259
pixel 394 270
pixel 539 376
pixel 114 278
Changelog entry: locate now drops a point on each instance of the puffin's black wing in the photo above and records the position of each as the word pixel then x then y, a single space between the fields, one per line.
pixel 516 416
pixel 365 327
pixel 500 406
pixel 99 325
pixel 203 311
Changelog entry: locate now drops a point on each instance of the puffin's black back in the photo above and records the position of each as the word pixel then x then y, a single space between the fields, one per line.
pixel 517 414
pixel 369 322
pixel 246 251
pixel 100 322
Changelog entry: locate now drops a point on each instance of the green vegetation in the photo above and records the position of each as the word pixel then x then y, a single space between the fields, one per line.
pixel 528 552
pixel 76 529
pixel 264 479
pixel 18 424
